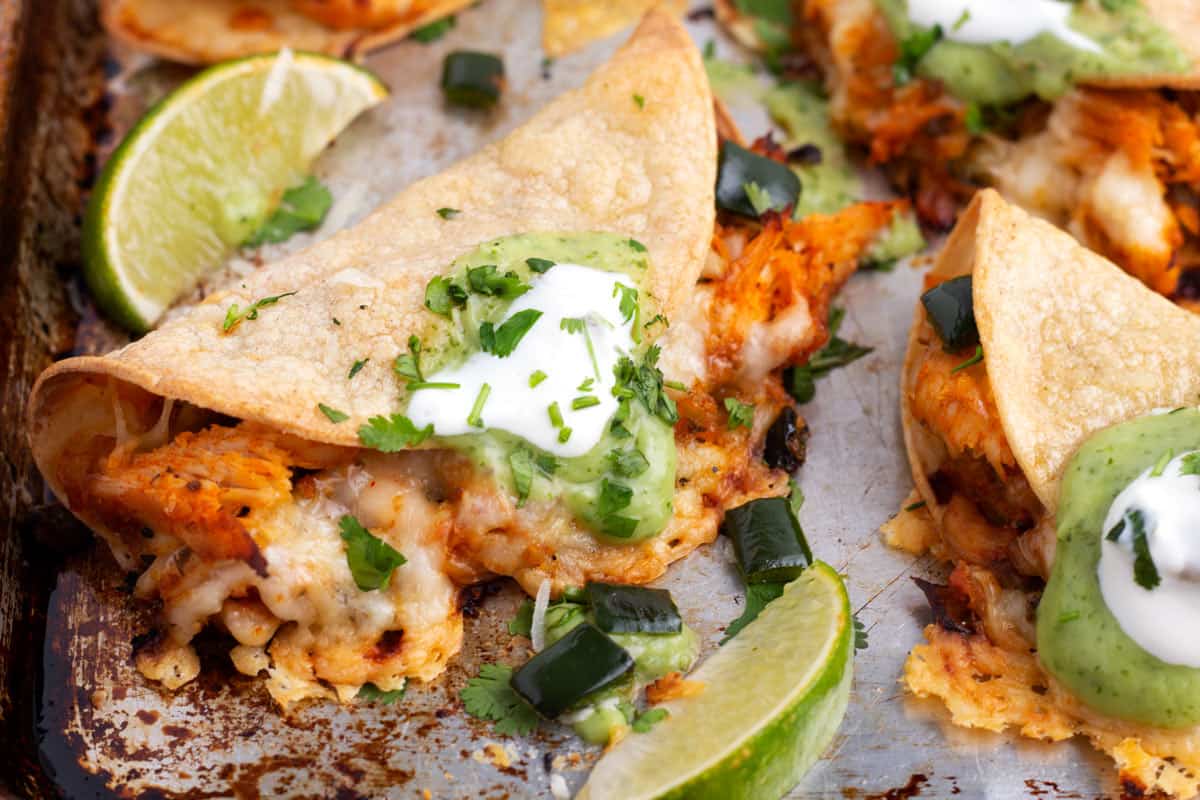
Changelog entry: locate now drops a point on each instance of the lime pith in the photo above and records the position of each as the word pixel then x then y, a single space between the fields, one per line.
pixel 774 696
pixel 203 169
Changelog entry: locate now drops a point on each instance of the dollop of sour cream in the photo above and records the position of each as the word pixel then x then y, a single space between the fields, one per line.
pixel 513 403
pixel 993 21
pixel 1160 619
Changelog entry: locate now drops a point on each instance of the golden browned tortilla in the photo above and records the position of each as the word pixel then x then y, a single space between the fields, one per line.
pixel 592 160
pixel 207 31
pixel 201 457
pixel 1071 345
pixel 570 25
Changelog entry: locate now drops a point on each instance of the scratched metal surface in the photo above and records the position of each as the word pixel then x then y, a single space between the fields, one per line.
pixel 105 730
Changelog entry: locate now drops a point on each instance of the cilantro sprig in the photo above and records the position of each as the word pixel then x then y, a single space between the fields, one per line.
pixel 501 341
pixel 490 696
pixel 741 415
pixel 801 379
pixel 912 49
pixel 371 559
pixel 301 208
pixel 393 433
pixel 370 693
pixel 1145 571
pixel 645 383
pixel 489 281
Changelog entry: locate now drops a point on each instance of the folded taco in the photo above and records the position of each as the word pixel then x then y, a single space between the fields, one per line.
pixel 206 31
pixel 1049 403
pixel 1084 113
pixel 528 365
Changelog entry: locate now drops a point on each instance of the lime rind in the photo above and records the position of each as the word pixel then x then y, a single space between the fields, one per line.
pixel 744 737
pixel 203 167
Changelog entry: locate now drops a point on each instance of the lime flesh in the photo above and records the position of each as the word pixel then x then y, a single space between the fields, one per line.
pixel 774 697
pixel 203 169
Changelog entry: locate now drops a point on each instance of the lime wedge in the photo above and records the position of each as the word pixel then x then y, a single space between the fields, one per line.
pixel 204 168
pixel 774 696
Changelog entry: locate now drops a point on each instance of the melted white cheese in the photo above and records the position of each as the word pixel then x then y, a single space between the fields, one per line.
pixel 1154 618
pixel 512 405
pixel 993 21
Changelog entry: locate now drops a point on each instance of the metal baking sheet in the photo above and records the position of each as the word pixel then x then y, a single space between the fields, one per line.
pixel 105 731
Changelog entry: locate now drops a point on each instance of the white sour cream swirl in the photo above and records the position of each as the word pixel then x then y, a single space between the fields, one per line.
pixel 565 291
pixel 1159 620
pixel 992 21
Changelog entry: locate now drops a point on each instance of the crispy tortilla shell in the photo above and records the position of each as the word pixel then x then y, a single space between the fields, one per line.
pixel 590 161
pixel 207 31
pixel 570 25
pixel 1072 344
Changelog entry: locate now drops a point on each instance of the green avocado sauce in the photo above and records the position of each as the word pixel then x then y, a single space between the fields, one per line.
pixel 832 183
pixel 654 655
pixel 1080 642
pixel 578 481
pixel 1045 66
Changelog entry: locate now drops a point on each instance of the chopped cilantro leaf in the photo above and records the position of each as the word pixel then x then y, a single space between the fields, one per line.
pixel 912 50
pixel 801 380
pixel 973 119
pixel 758 595
pixel 486 280
pixel 1145 573
pixel 613 497
pixel 370 693
pixel 657 318
pixel 522 623
pixel 234 315
pixel 639 100
pixel 649 719
pixel 300 209
pixel 434 30
pixel 448 213
pixel 520 461
pixel 392 434
pixel 914 506
pixel 546 463
pixel 539 265
pixel 740 414
pixel 333 414
pixel 408 365
pixel 637 246
pixel 371 559
pixel 629 300
pixel 490 696
pixel 443 295
pixel 356 367
pixel 628 463
pixel 503 340
pixel 645 382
